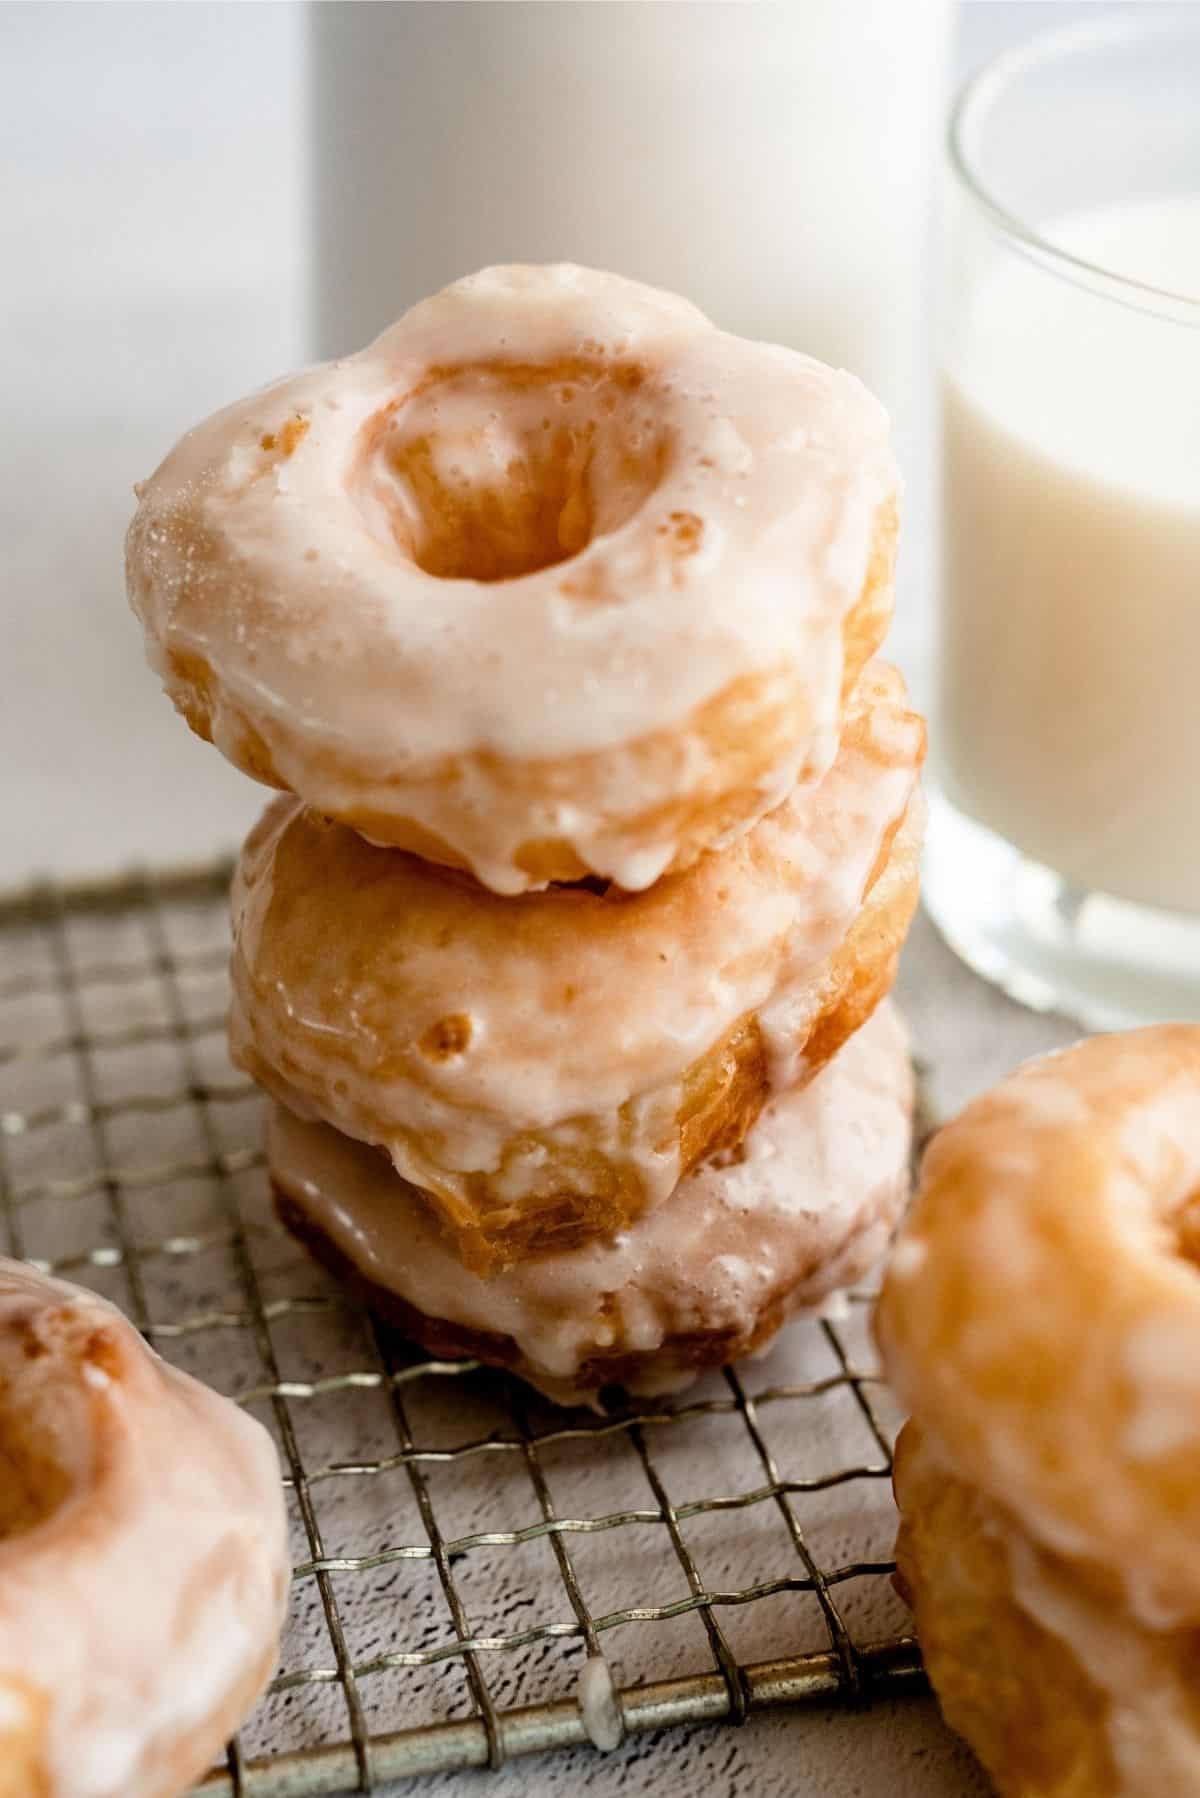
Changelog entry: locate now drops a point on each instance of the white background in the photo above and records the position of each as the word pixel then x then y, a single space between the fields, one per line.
pixel 153 249
pixel 152 257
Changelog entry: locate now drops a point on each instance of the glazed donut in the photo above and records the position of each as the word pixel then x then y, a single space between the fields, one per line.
pixel 800 1210
pixel 552 579
pixel 1041 1317
pixel 546 1067
pixel 143 1555
pixel 1037 1662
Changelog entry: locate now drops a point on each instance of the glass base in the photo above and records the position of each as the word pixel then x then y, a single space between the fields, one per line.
pixel 1105 962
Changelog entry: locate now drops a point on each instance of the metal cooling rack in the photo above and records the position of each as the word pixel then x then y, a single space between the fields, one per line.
pixel 461 1547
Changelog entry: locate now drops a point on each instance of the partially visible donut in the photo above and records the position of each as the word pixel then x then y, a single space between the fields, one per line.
pixel 143 1555
pixel 1038 1663
pixel 1041 1318
pixel 801 1210
pixel 553 579
pixel 547 1067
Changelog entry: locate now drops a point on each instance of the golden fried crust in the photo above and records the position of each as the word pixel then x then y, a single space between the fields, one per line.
pixel 23 1714
pixel 680 1357
pixel 696 1351
pixel 408 1007
pixel 1041 1317
pixel 800 1212
pixel 1015 1693
pixel 742 733
pixel 1043 1304
pixel 722 1096
pixel 1036 1661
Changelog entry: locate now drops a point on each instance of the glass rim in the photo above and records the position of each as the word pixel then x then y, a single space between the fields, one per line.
pixel 975 99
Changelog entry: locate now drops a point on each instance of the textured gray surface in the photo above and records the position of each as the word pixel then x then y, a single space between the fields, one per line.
pixel 129 1150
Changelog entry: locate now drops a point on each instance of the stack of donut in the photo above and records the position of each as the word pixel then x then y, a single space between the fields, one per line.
pixel 553 615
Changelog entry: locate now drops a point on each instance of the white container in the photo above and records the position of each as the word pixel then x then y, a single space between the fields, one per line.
pixel 1064 857
pixel 771 162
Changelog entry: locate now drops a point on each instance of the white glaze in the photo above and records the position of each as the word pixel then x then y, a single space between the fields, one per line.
pixel 808 1209
pixel 1150 1717
pixel 599 1706
pixel 1072 544
pixel 907 1258
pixel 1060 1273
pixel 1160 1358
pixel 1140 1669
pixel 156 1589
pixel 292 575
pixel 748 931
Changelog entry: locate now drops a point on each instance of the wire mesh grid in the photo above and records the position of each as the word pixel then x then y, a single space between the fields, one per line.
pixel 462 1549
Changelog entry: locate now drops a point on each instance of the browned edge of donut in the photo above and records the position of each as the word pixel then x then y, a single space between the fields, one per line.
pixel 33 1486
pixel 1015 1692
pixel 695 1351
pixel 697 824
pixel 722 1095
pixel 23 1771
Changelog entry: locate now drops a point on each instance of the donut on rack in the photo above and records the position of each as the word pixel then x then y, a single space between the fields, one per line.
pixel 547 1067
pixel 1041 1318
pixel 553 579
pixel 143 1555
pixel 800 1210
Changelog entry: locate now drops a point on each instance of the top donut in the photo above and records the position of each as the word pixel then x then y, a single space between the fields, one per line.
pixel 553 579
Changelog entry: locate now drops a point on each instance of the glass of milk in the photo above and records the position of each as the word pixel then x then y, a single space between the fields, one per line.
pixel 1064 860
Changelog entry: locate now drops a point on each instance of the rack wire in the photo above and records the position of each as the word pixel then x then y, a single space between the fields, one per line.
pixel 463 1550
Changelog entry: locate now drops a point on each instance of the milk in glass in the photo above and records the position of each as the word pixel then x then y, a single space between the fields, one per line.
pixel 1069 719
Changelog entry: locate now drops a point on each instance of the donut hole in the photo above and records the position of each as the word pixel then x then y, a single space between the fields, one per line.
pixel 493 471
